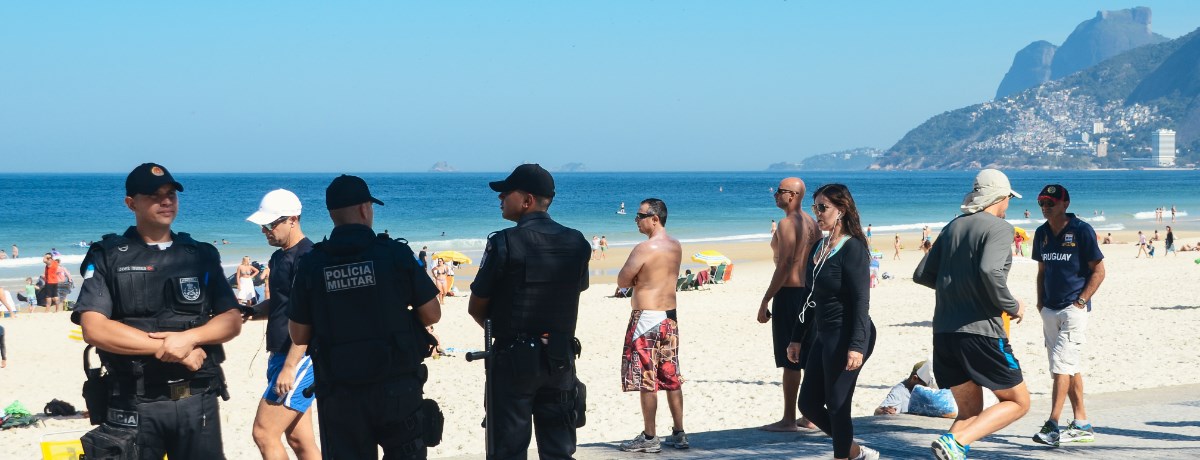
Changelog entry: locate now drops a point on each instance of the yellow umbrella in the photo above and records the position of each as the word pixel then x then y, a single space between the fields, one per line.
pixel 1021 231
pixel 452 256
pixel 710 257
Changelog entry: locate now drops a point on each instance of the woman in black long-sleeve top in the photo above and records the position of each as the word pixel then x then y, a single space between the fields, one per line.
pixel 839 273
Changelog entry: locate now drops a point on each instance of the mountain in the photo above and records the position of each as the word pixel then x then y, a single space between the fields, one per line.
pixel 1108 34
pixel 1031 67
pixel 845 160
pixel 573 167
pixel 1112 107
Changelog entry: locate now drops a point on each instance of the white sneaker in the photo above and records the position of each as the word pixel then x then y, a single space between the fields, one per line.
pixel 866 453
pixel 641 444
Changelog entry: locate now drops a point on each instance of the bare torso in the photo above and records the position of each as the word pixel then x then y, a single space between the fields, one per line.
pixel 804 228
pixel 656 262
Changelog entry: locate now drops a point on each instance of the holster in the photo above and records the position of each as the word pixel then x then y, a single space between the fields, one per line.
pixel 432 422
pixel 108 442
pixel 559 351
pixel 96 390
pixel 579 410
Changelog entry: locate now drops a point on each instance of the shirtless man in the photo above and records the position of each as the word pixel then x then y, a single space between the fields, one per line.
pixel 650 361
pixel 791 245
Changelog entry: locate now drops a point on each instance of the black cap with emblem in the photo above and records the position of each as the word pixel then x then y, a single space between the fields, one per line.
pixel 148 178
pixel 346 191
pixel 529 178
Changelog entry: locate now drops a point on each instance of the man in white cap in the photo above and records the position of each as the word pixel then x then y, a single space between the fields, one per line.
pixel 284 408
pixel 968 269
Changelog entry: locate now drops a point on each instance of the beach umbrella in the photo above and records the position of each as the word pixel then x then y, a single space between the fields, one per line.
pixel 1021 231
pixel 711 258
pixel 452 256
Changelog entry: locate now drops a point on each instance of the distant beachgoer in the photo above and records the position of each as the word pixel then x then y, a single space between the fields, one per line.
pixel 50 289
pixel 603 246
pixel 899 400
pixel 54 253
pixel 1026 213
pixel 1018 249
pixel 1150 249
pixel 786 293
pixel 1141 244
pixel 896 244
pixel 440 271
pixel 774 226
pixel 3 255
pixel 925 233
pixel 224 241
pixel 1070 270
pixel 1108 239
pixel 1155 237
pixel 845 335
pixel 245 281
pixel 423 257
pixel 926 246
pixel 64 280
pixel 1172 217
pixel 30 293
pixel 15 251
pixel 868 236
pixel 1169 243
pixel 595 247
pixel 968 268
pixel 8 303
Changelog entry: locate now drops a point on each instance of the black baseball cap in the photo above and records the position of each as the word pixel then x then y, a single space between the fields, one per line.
pixel 1055 192
pixel 530 178
pixel 148 178
pixel 348 191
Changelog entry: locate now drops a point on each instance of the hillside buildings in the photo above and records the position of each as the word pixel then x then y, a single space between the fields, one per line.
pixel 1162 144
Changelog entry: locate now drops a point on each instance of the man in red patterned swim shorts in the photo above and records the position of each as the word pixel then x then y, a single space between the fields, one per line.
pixel 650 361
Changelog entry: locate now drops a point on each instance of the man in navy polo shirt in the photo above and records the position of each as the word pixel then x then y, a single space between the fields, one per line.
pixel 1070 270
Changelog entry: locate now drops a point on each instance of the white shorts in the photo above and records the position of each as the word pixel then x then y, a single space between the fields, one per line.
pixel 1065 332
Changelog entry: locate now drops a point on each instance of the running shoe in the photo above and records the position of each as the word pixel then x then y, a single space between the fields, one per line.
pixel 946 448
pixel 1049 434
pixel 866 453
pixel 1076 433
pixel 641 444
pixel 678 439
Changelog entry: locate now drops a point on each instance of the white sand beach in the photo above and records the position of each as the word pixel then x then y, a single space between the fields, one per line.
pixel 1142 334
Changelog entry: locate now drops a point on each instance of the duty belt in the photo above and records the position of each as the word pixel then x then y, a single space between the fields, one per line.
pixel 175 391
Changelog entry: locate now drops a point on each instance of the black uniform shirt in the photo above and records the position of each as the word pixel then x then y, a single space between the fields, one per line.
pixel 491 269
pixel 421 289
pixel 95 296
pixel 283 270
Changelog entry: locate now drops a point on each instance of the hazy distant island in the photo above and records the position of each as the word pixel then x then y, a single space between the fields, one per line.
pixel 845 160
pixel 573 167
pixel 442 166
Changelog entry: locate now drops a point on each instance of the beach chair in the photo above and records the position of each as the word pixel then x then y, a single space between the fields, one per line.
pixel 720 276
pixel 679 283
pixel 728 273
pixel 690 283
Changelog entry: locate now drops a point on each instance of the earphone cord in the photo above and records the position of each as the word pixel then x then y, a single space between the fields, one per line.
pixel 823 256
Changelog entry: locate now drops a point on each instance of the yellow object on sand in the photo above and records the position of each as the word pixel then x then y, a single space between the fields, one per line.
pixel 711 258
pixel 1021 231
pixel 76 334
pixel 451 256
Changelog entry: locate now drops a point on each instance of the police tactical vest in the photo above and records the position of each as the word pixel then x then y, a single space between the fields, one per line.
pixel 539 291
pixel 363 329
pixel 159 291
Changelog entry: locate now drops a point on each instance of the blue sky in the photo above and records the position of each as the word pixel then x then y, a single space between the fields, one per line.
pixel 397 86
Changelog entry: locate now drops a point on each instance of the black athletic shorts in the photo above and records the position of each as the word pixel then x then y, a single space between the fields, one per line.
pixel 50 290
pixel 785 313
pixel 959 357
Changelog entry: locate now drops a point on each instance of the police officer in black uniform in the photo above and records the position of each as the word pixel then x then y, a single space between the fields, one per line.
pixel 528 286
pixel 350 305
pixel 156 306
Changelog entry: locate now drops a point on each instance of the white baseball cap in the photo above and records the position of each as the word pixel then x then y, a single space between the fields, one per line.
pixel 990 186
pixel 276 204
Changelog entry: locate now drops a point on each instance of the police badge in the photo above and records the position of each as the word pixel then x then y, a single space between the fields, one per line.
pixel 190 288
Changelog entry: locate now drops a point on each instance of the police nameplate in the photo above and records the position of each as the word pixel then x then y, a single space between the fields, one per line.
pixel 349 276
pixel 190 288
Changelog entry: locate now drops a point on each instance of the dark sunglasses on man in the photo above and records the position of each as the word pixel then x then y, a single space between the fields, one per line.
pixel 271 226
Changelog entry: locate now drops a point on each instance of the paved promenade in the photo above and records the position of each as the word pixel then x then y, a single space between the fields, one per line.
pixel 1152 424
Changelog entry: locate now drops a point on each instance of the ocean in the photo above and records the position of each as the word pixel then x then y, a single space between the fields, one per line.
pixel 456 211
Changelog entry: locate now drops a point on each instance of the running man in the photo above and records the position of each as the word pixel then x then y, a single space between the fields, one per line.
pixel 968 268
pixel 1070 270
pixel 791 245
pixel 650 361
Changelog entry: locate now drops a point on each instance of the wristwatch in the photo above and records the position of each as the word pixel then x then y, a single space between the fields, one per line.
pixel 1081 302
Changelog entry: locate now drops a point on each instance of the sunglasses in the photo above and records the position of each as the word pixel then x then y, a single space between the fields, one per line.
pixel 820 208
pixel 782 191
pixel 1046 203
pixel 642 215
pixel 271 226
